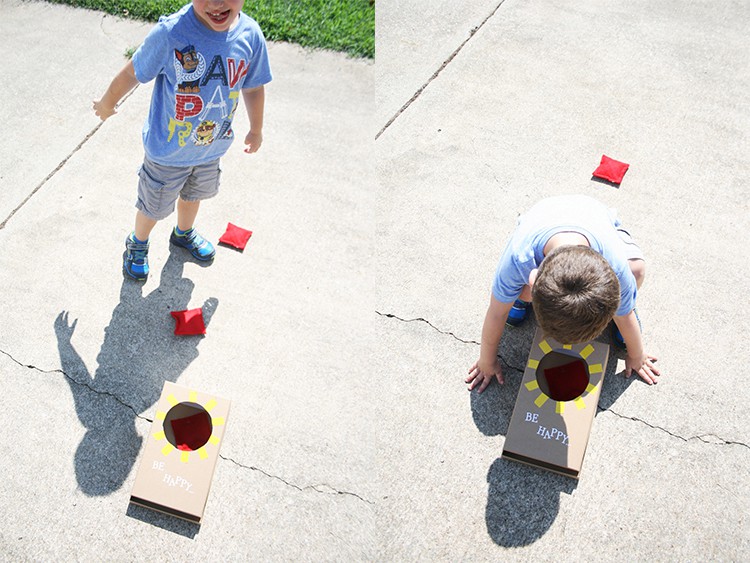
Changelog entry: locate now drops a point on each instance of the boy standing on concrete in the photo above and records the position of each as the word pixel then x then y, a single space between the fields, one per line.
pixel 569 256
pixel 202 58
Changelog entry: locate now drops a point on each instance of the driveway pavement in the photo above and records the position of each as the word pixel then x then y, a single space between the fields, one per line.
pixel 343 332
pixel 84 352
pixel 515 101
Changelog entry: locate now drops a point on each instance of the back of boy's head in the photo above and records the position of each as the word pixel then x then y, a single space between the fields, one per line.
pixel 576 293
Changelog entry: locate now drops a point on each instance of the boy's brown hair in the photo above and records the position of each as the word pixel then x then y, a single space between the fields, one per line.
pixel 575 295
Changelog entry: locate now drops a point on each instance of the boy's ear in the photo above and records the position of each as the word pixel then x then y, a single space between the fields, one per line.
pixel 532 276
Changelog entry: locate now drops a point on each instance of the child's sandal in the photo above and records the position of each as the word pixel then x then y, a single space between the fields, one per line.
pixel 518 312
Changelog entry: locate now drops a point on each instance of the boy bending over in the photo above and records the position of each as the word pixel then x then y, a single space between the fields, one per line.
pixel 570 257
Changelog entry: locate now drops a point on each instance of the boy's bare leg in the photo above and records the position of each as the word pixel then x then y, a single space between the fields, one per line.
pixel 525 294
pixel 186 213
pixel 638 267
pixel 143 226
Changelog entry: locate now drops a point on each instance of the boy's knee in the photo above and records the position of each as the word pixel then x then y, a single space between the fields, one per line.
pixel 638 267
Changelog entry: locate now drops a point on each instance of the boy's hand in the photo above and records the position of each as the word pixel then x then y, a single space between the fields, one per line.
pixel 253 142
pixel 102 110
pixel 644 366
pixel 482 375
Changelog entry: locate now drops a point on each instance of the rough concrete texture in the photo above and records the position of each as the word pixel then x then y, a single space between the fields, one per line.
pixel 523 110
pixel 85 352
pixel 343 333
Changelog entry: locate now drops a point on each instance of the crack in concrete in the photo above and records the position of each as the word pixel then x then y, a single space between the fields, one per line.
pixel 423 320
pixel 448 333
pixel 59 167
pixel 319 488
pixel 717 440
pixel 442 67
pixel 79 383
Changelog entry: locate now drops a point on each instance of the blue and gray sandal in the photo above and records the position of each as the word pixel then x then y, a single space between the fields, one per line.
pixel 518 312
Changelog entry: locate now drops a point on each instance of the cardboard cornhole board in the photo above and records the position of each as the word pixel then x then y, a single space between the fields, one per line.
pixel 556 404
pixel 181 451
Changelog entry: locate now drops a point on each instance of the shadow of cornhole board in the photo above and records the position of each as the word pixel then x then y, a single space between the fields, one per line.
pixel 180 456
pixel 556 404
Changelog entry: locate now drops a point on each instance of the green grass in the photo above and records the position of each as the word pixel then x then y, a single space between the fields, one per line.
pixel 341 25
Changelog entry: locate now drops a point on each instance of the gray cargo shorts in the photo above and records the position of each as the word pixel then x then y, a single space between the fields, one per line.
pixel 632 250
pixel 159 186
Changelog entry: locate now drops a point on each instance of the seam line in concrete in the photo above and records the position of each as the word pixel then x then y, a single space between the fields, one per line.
pixel 79 383
pixel 448 333
pixel 60 166
pixel 442 67
pixel 317 488
pixel 423 320
pixel 717 441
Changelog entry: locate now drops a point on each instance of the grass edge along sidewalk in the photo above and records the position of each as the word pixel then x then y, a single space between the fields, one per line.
pixel 346 26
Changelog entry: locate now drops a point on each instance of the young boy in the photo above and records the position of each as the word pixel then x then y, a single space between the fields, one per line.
pixel 570 258
pixel 202 57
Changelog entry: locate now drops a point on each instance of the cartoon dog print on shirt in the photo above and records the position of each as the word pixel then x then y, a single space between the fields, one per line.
pixel 189 66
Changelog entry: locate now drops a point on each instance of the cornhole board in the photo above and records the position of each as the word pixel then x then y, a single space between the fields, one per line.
pixel 181 451
pixel 556 404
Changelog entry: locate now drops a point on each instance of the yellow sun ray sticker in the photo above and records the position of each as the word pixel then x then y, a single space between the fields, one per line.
pixel 167 449
pixel 172 400
pixel 595 368
pixel 579 403
pixel 560 408
pixel 533 384
pixel 210 405
pixel 185 457
pixel 533 364
pixel 161 415
pixel 546 348
pixel 590 388
pixel 567 346
pixel 587 351
pixel 541 399
pixel 193 397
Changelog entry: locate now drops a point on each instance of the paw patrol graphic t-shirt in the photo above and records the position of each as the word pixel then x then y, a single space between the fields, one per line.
pixel 199 77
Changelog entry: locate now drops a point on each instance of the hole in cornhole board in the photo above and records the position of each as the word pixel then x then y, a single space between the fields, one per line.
pixel 562 377
pixel 187 426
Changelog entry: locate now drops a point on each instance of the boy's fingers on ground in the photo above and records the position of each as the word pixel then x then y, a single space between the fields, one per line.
pixel 484 384
pixel 647 376
pixel 477 379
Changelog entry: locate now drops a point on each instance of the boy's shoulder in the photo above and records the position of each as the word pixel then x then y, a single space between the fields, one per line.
pixel 172 20
pixel 248 25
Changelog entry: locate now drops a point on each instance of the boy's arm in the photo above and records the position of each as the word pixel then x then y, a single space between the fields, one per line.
pixel 483 370
pixel 636 360
pixel 123 83
pixel 255 99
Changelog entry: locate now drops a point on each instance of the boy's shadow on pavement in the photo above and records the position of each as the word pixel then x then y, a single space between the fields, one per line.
pixel 523 501
pixel 139 353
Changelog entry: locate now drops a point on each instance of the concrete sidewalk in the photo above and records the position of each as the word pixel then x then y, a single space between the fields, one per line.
pixel 343 333
pixel 84 353
pixel 510 102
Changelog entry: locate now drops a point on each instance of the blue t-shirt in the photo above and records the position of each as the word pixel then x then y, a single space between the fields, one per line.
pixel 199 77
pixel 581 214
